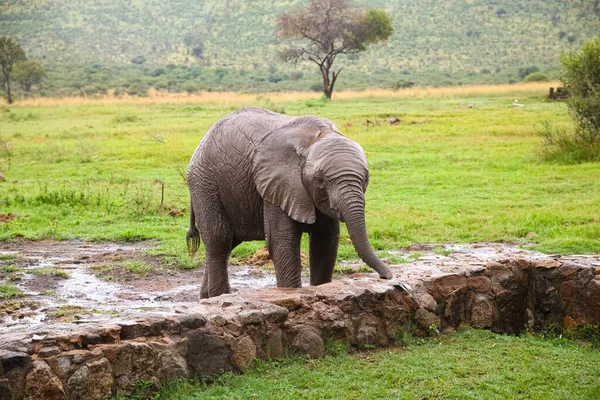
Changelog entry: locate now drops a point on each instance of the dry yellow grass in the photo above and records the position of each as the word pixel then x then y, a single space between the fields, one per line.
pixel 239 99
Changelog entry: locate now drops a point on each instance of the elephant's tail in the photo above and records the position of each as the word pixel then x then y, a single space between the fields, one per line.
pixel 193 236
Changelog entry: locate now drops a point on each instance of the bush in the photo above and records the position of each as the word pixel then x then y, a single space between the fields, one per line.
pixel 580 75
pixel 536 77
pixel 523 72
pixel 567 146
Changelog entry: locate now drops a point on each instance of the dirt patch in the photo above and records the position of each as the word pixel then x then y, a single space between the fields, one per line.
pixel 261 257
pixel 4 218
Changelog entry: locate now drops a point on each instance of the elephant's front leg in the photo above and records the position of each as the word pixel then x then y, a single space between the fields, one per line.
pixel 324 239
pixel 283 241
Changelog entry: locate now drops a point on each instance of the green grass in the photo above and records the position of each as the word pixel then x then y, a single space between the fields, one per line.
pixel 137 267
pixel 466 175
pixel 468 365
pixel 10 268
pixel 49 271
pixel 9 291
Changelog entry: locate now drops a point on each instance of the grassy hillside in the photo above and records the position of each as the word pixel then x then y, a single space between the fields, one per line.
pixel 232 44
pixel 431 35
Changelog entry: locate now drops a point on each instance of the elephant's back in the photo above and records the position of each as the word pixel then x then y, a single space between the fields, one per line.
pixel 221 165
pixel 237 134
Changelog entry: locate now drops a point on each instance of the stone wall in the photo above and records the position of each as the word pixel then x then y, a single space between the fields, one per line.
pixel 97 359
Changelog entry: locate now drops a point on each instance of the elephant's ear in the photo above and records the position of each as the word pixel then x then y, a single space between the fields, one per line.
pixel 277 170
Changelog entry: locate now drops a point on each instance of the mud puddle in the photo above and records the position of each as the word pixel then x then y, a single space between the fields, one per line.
pixel 78 281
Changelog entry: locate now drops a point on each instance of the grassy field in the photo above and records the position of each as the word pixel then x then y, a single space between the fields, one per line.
pixel 467 365
pixel 95 168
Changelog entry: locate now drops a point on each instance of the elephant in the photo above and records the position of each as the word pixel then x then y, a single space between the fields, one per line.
pixel 261 175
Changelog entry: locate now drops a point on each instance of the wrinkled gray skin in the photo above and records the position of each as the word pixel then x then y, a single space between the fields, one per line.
pixel 257 174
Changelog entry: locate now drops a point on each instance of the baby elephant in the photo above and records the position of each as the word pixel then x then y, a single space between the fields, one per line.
pixel 258 174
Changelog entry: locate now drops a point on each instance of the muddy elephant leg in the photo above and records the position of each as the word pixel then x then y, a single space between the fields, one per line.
pixel 283 241
pixel 216 281
pixel 204 285
pixel 324 239
pixel 216 278
pixel 217 237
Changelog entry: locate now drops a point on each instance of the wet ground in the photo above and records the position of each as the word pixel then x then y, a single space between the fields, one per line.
pixel 74 280
pixel 77 280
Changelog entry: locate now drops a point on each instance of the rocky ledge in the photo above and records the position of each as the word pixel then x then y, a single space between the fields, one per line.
pixel 97 359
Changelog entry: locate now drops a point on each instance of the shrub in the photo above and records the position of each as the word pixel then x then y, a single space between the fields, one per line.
pixel 523 72
pixel 580 75
pixel 536 77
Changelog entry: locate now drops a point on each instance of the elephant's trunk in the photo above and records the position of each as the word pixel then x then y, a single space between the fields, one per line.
pixel 354 216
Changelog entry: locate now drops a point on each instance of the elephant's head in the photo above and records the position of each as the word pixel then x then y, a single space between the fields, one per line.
pixel 311 166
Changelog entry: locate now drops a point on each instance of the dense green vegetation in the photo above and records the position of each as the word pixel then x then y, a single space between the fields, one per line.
pixel 468 365
pixel 131 45
pixel 447 173
pixel 580 76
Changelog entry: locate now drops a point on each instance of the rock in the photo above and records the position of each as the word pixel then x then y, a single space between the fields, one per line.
pixel 369 331
pixel 16 366
pixel 482 312
pixel 171 358
pixel 455 307
pixel 547 299
pixel 132 362
pixel 426 301
pixel 12 360
pixel 274 314
pixel 193 321
pixel 291 303
pixel 425 319
pixel 207 355
pixel 93 381
pixel 547 263
pixel 568 269
pixel 591 298
pixel 150 325
pixel 244 353
pixel 274 345
pixel 41 383
pixel 251 317
pixel 64 364
pixel 308 342
pixel 481 284
pixel 46 352
pixel 512 307
pixel 566 291
pixel 219 321
pixel 441 287
pixel 6 392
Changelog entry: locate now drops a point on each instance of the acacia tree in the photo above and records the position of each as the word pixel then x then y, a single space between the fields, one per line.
pixel 328 28
pixel 28 73
pixel 10 53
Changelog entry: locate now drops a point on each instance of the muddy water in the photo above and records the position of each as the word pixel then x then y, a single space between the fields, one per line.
pixel 99 285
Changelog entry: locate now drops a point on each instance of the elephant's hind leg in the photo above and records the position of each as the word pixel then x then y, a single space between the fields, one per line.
pixel 283 241
pixel 324 239
pixel 216 278
pixel 218 238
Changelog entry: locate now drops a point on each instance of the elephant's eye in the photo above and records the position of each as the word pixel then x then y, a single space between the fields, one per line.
pixel 319 180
